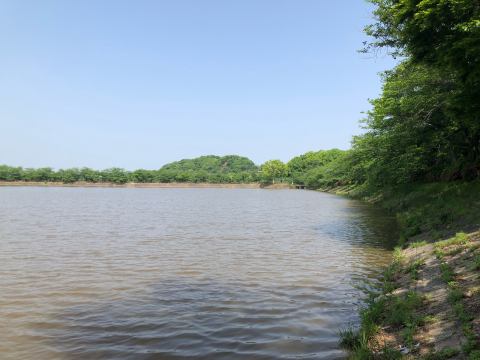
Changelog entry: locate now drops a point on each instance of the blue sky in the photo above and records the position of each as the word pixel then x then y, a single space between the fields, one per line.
pixel 138 84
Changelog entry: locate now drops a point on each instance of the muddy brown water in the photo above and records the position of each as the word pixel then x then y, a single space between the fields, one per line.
pixel 99 273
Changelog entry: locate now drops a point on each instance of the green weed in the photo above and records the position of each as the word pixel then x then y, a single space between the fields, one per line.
pixel 460 312
pixel 388 287
pixel 476 263
pixel 429 320
pixel 447 273
pixel 348 337
pixel 361 349
pixel 474 247
pixel 454 251
pixel 469 347
pixel 458 239
pixel 435 235
pixel 452 284
pixel 400 311
pixel 455 295
pixel 417 244
pixel 407 335
pixel 450 352
pixel 398 256
pixel 390 354
pixel 414 266
pixel 474 355
pixel 414 275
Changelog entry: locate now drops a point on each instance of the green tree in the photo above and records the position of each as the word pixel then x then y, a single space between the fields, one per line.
pixel 115 175
pixel 301 166
pixel 443 35
pixel 409 133
pixel 10 173
pixel 272 169
pixel 141 175
pixel 69 175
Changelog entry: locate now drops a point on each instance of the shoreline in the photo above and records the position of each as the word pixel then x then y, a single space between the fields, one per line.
pixel 149 185
pixel 428 304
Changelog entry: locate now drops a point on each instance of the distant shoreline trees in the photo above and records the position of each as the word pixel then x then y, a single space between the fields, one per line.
pixel 210 169
pixel 272 169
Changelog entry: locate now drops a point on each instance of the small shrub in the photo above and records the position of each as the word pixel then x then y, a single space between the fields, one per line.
pixel 400 312
pixel 414 275
pixel 476 263
pixel 429 320
pixel 450 352
pixel 435 235
pixel 469 346
pixel 461 236
pixel 455 295
pixel 414 266
pixel 447 273
pixel 458 239
pixel 474 355
pixel 460 312
pixel 388 274
pixel 398 256
pixel 388 287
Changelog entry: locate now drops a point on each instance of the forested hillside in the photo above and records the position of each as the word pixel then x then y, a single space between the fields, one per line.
pixel 214 164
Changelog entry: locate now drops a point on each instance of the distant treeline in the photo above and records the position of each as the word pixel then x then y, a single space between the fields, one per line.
pixel 212 169
pixel 315 169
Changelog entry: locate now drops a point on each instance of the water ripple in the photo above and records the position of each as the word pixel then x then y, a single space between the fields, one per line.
pixel 103 273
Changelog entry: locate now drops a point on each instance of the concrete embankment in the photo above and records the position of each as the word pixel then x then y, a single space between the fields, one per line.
pixel 148 185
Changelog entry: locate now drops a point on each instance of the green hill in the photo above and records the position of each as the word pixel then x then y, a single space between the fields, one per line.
pixel 214 164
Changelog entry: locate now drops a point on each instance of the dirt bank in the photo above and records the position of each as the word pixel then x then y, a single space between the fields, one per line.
pixel 429 304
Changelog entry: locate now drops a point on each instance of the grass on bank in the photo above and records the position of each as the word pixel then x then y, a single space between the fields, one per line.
pixel 455 297
pixel 386 310
pixel 427 212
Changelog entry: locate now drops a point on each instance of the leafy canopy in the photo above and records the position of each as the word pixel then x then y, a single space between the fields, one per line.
pixel 213 164
pixel 272 169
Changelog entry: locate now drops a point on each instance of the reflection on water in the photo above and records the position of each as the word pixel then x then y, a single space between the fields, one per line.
pixel 104 273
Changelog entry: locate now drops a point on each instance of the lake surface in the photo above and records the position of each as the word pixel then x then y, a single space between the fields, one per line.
pixel 119 273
